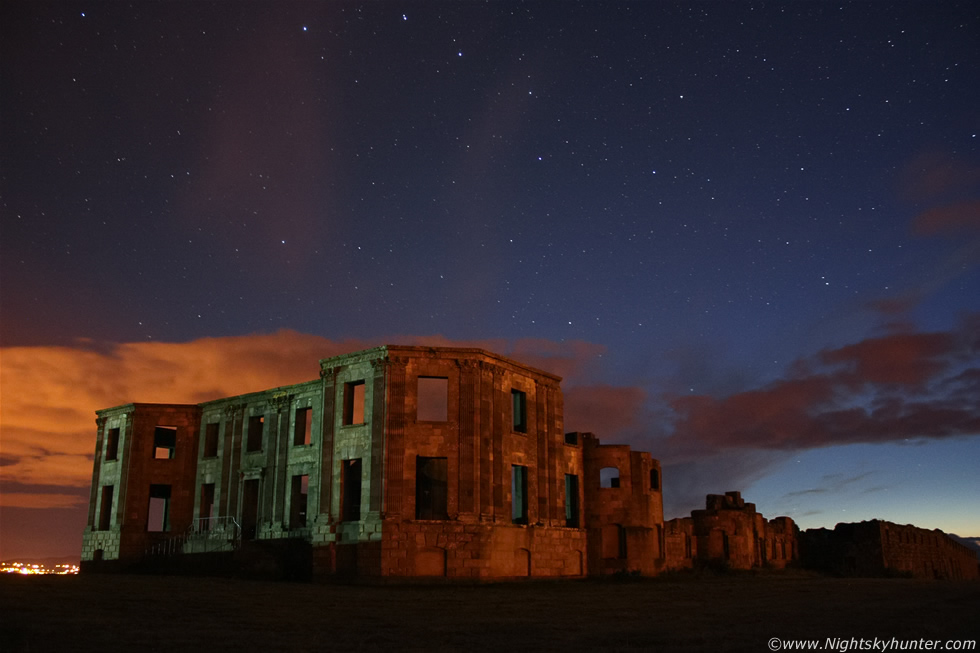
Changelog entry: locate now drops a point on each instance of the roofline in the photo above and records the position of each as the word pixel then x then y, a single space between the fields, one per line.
pixel 387 351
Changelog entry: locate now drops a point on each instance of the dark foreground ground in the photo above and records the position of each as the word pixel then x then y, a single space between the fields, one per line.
pixel 717 613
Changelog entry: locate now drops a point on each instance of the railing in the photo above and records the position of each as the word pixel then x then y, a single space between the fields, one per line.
pixel 215 525
pixel 214 533
pixel 168 547
pixel 204 535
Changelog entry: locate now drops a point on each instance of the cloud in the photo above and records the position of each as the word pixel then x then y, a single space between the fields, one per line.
pixel 687 480
pixel 890 388
pixel 834 483
pixel 950 219
pixel 934 175
pixel 41 500
pixel 608 411
pixel 943 190
pixel 801 493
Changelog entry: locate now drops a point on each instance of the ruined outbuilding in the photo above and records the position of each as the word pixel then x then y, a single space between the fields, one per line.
pixel 881 548
pixel 730 534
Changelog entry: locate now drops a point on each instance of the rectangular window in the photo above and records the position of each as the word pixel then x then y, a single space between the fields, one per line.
pixel 105 508
pixel 256 424
pixel 654 479
pixel 431 488
pixel 303 429
pixel 354 403
pixel 206 513
pixel 111 444
pixel 433 399
pixel 297 500
pixel 518 494
pixel 571 501
pixel 158 514
pixel 519 400
pixel 571 438
pixel 164 442
pixel 211 440
pixel 350 496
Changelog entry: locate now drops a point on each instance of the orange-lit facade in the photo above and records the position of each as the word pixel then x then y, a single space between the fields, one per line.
pixel 398 462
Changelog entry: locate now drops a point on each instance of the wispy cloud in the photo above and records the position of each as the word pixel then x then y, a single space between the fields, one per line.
pixel 890 388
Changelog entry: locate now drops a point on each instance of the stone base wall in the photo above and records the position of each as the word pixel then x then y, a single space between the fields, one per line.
pixel 481 551
pixel 105 541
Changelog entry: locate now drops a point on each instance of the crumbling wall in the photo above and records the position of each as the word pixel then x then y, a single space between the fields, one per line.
pixel 680 544
pixel 623 509
pixel 881 548
pixel 780 544
pixel 731 534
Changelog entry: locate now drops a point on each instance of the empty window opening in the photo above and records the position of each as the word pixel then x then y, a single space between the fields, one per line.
pixel 354 403
pixel 250 508
pixel 571 438
pixel 298 496
pixel 654 479
pixel 431 488
pixel 211 440
pixel 519 400
pixel 433 399
pixel 105 508
pixel 112 444
pixel 164 442
pixel 613 541
pixel 158 514
pixel 350 493
pixel 518 494
pixel 256 426
pixel 303 428
pixel 609 477
pixel 206 512
pixel 571 501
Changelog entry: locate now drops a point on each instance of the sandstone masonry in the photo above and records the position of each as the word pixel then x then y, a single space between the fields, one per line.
pixel 410 462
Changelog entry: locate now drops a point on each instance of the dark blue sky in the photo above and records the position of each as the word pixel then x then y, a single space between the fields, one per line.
pixel 714 194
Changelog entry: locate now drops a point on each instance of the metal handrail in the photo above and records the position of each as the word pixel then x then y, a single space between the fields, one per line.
pixel 215 525
pixel 216 529
pixel 209 529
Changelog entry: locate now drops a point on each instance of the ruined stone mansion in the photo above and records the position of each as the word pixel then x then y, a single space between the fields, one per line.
pixel 399 462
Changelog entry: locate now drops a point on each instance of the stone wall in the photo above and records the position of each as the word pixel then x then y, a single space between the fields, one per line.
pixel 730 533
pixel 481 551
pixel 881 548
pixel 623 509
pixel 141 495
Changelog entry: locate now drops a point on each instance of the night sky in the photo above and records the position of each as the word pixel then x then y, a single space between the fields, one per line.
pixel 746 234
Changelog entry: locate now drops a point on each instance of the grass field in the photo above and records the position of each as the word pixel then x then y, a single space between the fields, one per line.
pixel 696 613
